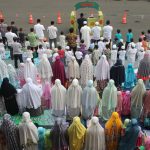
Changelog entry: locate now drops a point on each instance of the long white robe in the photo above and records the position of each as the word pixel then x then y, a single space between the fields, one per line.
pixel 74 94
pixel 3 70
pixel 58 98
pixel 86 70
pixel 31 95
pixel 30 71
pixel 73 69
pixel 86 31
pixel 95 136
pixel 45 69
pixel 28 133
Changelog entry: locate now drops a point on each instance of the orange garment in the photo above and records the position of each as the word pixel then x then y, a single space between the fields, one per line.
pixel 113 131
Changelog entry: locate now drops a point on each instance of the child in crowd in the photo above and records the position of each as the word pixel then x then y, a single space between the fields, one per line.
pixel 113 55
pixel 96 55
pixel 120 44
pixel 62 41
pixel 21 37
pixel 145 43
pixel 27 43
pixel 122 54
pixel 79 56
pixel 118 35
pixel 101 45
pixel 29 53
pixel 139 44
pixel 45 44
pixel 83 48
pixel 40 51
pixel 140 55
pixel 2 49
pixel 107 52
pixel 61 53
pixel 68 54
pixel 142 36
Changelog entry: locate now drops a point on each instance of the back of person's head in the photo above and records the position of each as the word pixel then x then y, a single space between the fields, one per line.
pixel 81 15
pixel 148 31
pixel 40 46
pixel 32 48
pixel 62 33
pixel 129 30
pixel 20 29
pixel 118 31
pixel 59 47
pixel 71 30
pixel 31 30
pixel 82 41
pixel 107 22
pixel 27 39
pixel 1 40
pixel 52 22
pixel 15 39
pixel 12 22
pixel 1 20
pixel 144 38
pixel 38 20
pixel 107 46
pixel 140 39
pixel 96 46
pixel 142 32
pixel 8 28
pixel 28 48
pixel 132 40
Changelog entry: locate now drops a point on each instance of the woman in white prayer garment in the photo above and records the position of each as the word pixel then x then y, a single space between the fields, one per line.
pixel 89 100
pixel 58 98
pixel 74 94
pixel 95 136
pixel 86 71
pixel 30 71
pixel 73 69
pixel 31 98
pixel 28 133
pixel 45 69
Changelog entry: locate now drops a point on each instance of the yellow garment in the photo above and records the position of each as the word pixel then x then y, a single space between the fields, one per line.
pixel 113 131
pixel 76 133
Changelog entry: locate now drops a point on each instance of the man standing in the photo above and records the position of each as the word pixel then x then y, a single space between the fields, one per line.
pixel 80 23
pixel 96 32
pixel 107 31
pixel 14 29
pixel 129 37
pixel 39 30
pixel 86 31
pixel 3 30
pixel 17 52
pixel 52 31
pixel 9 36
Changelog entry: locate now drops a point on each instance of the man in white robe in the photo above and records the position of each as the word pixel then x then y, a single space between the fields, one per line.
pixel 86 31
pixel 58 98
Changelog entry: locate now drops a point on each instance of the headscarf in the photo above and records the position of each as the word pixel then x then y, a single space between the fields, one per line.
pixel 10 131
pixel 73 69
pixel 12 75
pixel 41 135
pixel 58 135
pixel 95 136
pixel 130 77
pixel 86 70
pixel 74 94
pixel 30 70
pixel 117 73
pixel 102 69
pixel 128 141
pixel 113 131
pixel 144 67
pixel 137 95
pixel 7 89
pixel 89 100
pixel 45 69
pixel 126 123
pixel 28 131
pixel 3 70
pixel 31 95
pixel 76 133
pixel 58 97
pixel 59 71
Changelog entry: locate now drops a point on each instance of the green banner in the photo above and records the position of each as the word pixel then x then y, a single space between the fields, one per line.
pixel 87 4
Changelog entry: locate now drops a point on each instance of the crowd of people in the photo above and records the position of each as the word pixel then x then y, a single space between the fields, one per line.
pixel 98 82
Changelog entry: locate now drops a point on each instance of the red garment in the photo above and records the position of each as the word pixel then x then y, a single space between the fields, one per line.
pixel 58 71
pixel 61 53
